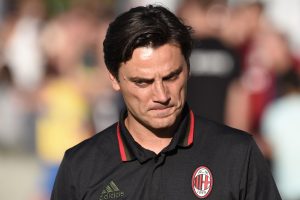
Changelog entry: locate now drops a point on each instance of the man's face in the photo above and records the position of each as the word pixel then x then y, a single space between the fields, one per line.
pixel 153 84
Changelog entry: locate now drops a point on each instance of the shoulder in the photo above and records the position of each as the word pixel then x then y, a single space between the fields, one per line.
pixel 226 146
pixel 216 129
pixel 211 133
pixel 101 145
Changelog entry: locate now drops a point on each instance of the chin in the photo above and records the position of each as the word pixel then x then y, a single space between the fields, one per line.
pixel 162 123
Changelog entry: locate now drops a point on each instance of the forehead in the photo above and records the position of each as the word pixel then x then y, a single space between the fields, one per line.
pixel 150 61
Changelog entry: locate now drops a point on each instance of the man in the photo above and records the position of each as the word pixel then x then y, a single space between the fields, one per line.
pixel 159 149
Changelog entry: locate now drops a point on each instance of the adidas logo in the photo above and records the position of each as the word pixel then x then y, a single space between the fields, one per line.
pixel 111 191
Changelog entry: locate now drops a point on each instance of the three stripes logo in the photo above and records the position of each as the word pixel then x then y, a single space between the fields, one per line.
pixel 111 191
pixel 202 182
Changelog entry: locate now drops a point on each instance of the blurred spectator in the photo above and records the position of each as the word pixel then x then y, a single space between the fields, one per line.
pixel 14 114
pixel 75 100
pixel 213 64
pixel 280 128
pixel 22 50
pixel 21 55
pixel 244 21
pixel 268 59
pixel 64 117
pixel 104 101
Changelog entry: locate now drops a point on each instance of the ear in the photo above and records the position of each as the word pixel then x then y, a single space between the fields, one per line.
pixel 114 82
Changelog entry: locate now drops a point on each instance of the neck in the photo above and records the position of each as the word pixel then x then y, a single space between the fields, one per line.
pixel 153 140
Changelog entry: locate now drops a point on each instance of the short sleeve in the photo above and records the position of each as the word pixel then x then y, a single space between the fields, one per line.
pixel 64 188
pixel 257 182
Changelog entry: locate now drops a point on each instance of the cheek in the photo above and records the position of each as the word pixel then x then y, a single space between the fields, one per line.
pixel 179 90
pixel 182 93
pixel 137 97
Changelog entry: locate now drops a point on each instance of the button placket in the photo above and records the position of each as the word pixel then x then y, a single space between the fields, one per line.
pixel 157 177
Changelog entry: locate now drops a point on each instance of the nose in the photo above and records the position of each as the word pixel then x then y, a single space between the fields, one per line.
pixel 160 93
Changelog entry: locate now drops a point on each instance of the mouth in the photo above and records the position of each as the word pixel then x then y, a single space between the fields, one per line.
pixel 160 107
pixel 162 111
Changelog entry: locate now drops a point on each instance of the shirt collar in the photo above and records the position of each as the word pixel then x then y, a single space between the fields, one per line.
pixel 131 150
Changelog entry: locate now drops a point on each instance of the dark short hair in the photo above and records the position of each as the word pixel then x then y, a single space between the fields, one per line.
pixel 143 26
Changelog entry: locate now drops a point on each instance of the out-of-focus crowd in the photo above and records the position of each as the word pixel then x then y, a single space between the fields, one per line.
pixel 55 91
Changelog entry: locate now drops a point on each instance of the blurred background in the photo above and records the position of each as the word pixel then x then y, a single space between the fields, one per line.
pixel 55 91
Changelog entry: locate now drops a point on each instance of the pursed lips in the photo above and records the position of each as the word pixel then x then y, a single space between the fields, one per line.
pixel 161 107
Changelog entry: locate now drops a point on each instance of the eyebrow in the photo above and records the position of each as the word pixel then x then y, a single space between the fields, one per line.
pixel 151 80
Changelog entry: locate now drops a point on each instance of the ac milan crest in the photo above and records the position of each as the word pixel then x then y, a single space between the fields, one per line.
pixel 202 182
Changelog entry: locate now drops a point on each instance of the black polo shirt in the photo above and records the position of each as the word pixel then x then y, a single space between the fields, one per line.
pixel 204 160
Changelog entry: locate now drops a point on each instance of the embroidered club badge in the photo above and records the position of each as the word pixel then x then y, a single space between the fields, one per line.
pixel 202 182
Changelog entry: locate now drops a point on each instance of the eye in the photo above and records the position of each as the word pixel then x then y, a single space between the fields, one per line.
pixel 172 77
pixel 142 83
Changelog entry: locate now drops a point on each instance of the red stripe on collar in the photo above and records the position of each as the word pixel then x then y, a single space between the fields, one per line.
pixel 191 132
pixel 121 145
